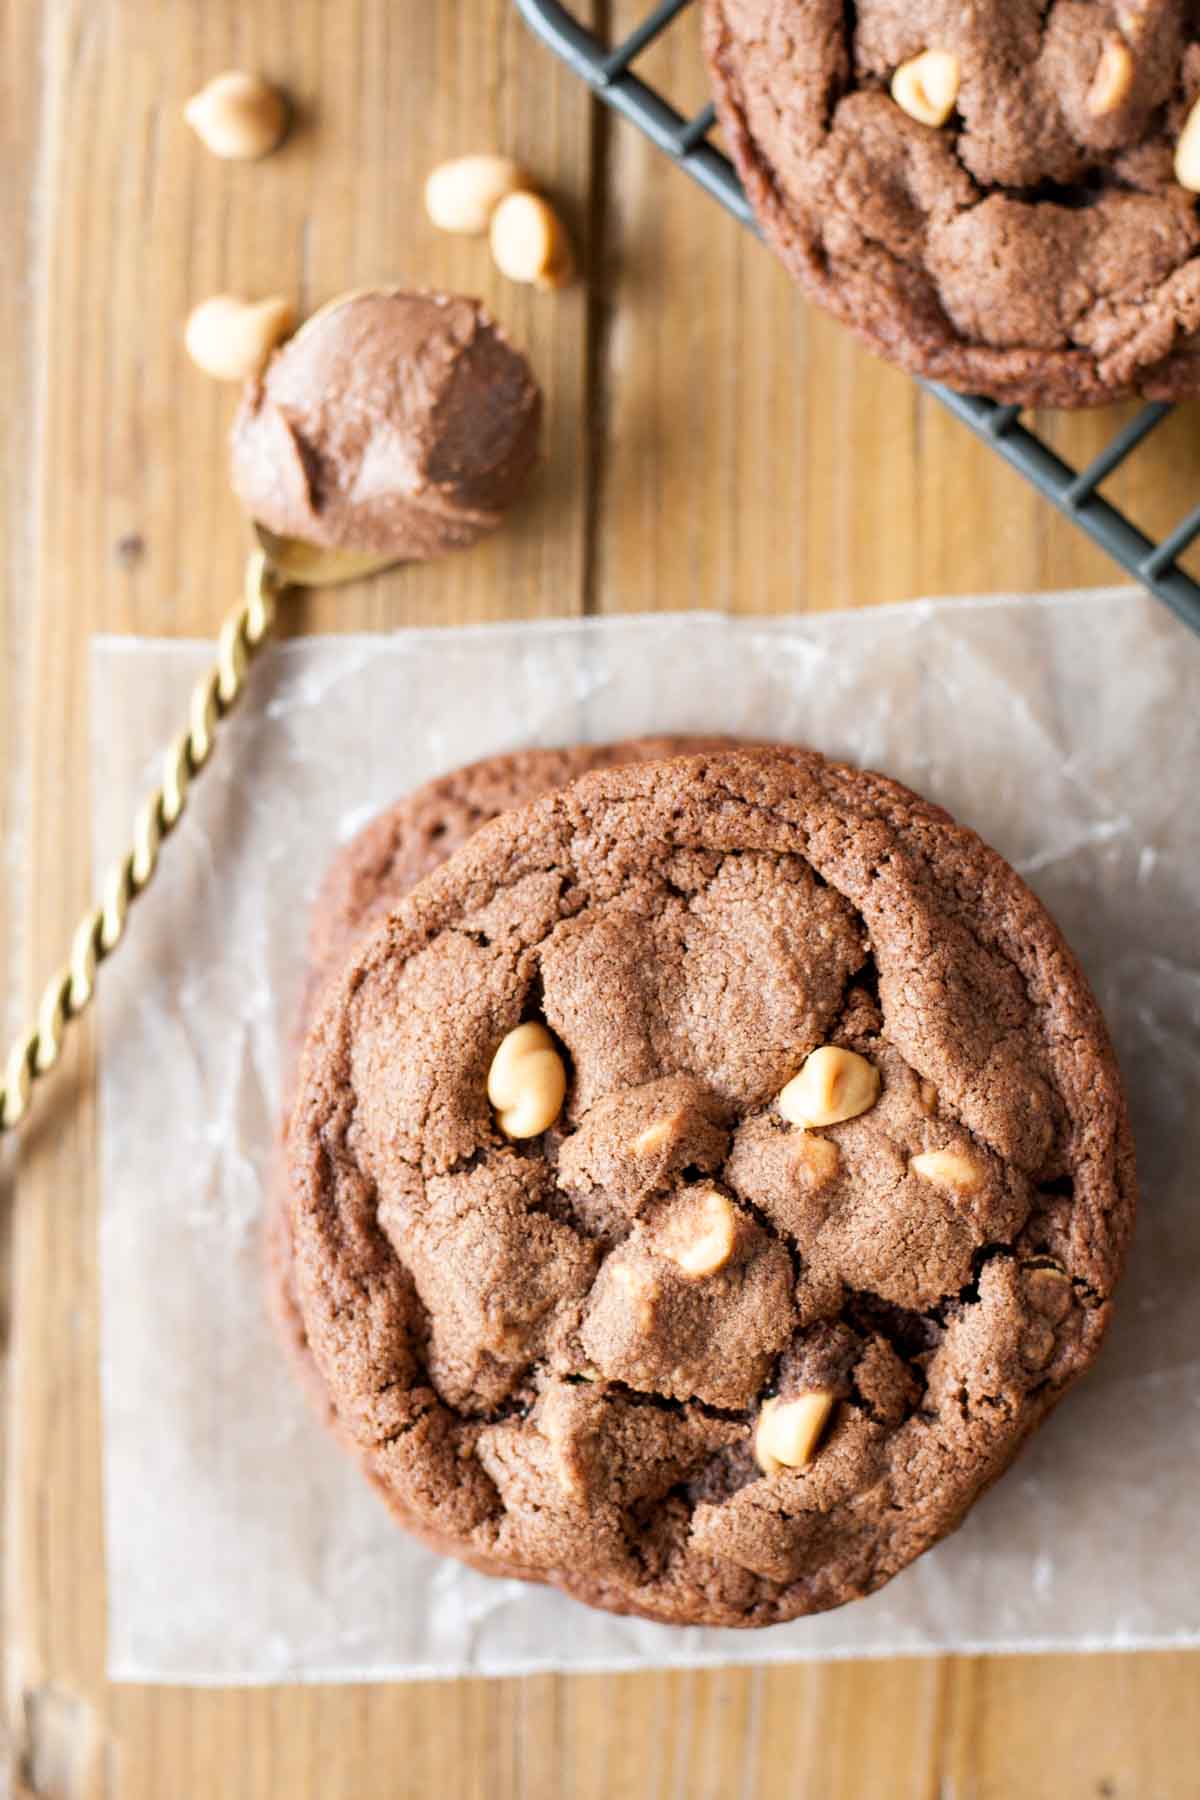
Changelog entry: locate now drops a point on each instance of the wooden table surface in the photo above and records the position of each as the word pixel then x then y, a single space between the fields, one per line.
pixel 710 443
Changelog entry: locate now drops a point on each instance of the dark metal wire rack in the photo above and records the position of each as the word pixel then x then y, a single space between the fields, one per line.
pixel 608 72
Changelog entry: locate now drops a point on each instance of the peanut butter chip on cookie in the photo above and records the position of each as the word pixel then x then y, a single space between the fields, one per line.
pixel 816 1160
pixel 700 1240
pixel 527 1082
pixel 788 1431
pixel 1112 80
pixel 1187 152
pixel 833 1085
pixel 927 86
pixel 656 1136
pixel 952 1169
pixel 640 1291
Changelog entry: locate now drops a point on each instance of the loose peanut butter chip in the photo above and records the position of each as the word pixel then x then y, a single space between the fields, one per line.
pixel 788 1431
pixel 832 1086
pixel 527 1082
pixel 701 1236
pixel 529 242
pixel 462 195
pixel 952 1169
pixel 237 116
pixel 926 87
pixel 232 339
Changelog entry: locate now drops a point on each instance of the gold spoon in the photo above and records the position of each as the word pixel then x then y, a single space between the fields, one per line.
pixel 278 563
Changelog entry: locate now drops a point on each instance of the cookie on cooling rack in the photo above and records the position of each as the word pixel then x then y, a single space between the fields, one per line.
pixel 1001 197
pixel 702 1184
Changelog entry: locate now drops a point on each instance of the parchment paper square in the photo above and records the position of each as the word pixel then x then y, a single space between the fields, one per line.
pixel 242 1546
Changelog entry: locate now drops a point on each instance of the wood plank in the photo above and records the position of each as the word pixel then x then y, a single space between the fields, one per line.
pixel 746 453
pixel 20 105
pixel 135 530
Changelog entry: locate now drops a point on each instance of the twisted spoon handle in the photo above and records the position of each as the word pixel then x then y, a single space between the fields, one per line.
pixel 69 992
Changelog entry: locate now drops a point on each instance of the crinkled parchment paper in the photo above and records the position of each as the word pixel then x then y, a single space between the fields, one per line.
pixel 242 1546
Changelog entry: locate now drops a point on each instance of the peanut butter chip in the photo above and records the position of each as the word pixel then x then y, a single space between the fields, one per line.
pixel 527 1082
pixel 231 339
pixel 1112 80
pixel 952 1169
pixel 529 242
pixel 927 86
pixel 788 1431
pixel 833 1085
pixel 462 195
pixel 641 1290
pixel 1187 152
pixel 238 116
pixel 700 1240
pixel 816 1160
pixel 656 1134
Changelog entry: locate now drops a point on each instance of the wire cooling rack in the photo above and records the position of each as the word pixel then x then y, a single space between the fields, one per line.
pixel 608 71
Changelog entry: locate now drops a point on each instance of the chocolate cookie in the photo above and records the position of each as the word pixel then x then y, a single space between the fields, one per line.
pixel 1001 197
pixel 703 1183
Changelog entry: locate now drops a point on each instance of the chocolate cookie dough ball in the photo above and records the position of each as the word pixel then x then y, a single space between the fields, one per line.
pixel 999 196
pixel 397 425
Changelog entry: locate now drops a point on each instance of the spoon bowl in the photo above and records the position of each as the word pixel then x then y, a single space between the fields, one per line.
pixel 300 564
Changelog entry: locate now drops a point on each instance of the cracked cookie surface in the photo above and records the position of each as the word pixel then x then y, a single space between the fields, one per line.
pixel 1037 246
pixel 552 1355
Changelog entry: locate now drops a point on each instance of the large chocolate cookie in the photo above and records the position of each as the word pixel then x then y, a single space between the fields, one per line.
pixel 1036 244
pixel 703 1183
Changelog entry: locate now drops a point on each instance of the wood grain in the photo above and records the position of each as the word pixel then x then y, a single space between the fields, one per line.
pixel 710 443
pixel 20 106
